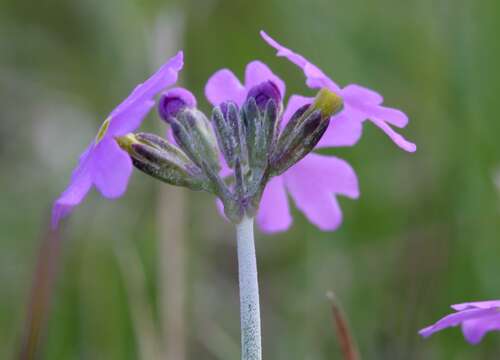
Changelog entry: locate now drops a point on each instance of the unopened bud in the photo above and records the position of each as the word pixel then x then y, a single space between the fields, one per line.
pixel 193 132
pixel 164 161
pixel 228 131
pixel 265 92
pixel 304 130
pixel 260 130
pixel 173 101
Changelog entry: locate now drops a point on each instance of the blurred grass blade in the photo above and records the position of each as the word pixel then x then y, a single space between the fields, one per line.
pixel 40 296
pixel 172 206
pixel 344 336
pixel 141 309
pixel 171 215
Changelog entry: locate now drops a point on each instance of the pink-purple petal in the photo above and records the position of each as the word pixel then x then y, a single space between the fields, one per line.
pixel 343 130
pixel 398 139
pixel 224 86
pixel 124 122
pixel 71 197
pixel 111 168
pixel 165 76
pixel 368 101
pixel 392 116
pixel 313 184
pixel 475 329
pixel 315 77
pixel 274 211
pixel 477 304
pixel 358 92
pixel 256 72
pixel 128 115
pixel 297 59
pixel 456 319
pixel 80 183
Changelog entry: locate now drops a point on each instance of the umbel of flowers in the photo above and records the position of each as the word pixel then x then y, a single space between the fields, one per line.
pixel 253 146
pixel 250 152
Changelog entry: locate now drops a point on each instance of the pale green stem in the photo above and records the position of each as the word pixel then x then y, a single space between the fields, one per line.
pixel 251 348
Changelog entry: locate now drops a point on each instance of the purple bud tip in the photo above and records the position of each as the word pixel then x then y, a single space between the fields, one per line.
pixel 224 107
pixel 173 101
pixel 264 92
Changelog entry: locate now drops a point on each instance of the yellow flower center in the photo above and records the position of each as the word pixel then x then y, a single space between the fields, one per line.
pixel 328 102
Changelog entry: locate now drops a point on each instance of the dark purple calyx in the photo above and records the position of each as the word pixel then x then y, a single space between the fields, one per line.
pixel 173 101
pixel 264 92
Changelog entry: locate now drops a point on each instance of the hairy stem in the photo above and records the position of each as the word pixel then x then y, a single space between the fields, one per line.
pixel 251 348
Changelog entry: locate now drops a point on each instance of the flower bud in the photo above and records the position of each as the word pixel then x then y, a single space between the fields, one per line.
pixel 194 134
pixel 304 130
pixel 263 93
pixel 228 128
pixel 158 158
pixel 173 101
pixel 260 131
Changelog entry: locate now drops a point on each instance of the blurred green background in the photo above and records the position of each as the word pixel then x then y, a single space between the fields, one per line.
pixel 423 235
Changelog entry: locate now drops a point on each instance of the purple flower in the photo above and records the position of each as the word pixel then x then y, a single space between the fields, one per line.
pixel 476 319
pixel 360 103
pixel 313 182
pixel 104 164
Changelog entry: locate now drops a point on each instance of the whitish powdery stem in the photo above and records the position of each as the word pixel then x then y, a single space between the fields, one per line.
pixel 251 348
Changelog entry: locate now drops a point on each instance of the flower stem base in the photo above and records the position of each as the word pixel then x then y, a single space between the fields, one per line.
pixel 251 348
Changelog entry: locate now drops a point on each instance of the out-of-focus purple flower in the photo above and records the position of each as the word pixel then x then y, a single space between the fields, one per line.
pixel 360 103
pixel 476 319
pixel 314 181
pixel 104 164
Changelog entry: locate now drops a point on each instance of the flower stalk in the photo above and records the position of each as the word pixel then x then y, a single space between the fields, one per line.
pixel 255 148
pixel 251 347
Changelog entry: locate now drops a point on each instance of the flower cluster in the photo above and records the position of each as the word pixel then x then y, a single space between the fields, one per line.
pixel 251 152
pixel 314 182
pixel 237 151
